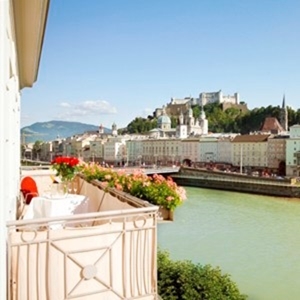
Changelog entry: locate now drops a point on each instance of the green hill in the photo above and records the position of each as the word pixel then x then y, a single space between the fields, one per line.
pixel 49 131
pixel 232 119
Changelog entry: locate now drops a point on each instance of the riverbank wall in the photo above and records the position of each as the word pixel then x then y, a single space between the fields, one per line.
pixel 237 182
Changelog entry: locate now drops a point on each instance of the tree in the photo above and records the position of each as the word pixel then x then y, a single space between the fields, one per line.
pixel 233 119
pixel 174 122
pixel 141 125
pixel 183 280
pixel 36 149
pixel 23 149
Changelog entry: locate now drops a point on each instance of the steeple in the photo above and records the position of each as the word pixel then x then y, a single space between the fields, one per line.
pixel 203 116
pixel 101 129
pixel 114 130
pixel 181 118
pixel 283 102
pixel 284 115
pixel 203 122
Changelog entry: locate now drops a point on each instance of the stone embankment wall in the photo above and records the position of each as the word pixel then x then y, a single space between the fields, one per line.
pixel 237 182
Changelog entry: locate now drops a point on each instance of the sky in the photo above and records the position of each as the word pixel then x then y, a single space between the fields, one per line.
pixel 106 61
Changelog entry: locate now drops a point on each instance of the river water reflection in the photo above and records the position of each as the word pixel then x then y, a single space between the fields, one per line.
pixel 256 239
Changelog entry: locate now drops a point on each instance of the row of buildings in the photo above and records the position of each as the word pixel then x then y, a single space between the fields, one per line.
pixel 278 153
pixel 273 148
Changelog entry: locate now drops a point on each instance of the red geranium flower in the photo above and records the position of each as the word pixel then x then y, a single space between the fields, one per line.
pixel 65 167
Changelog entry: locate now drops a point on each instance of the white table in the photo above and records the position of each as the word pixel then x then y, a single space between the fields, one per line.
pixel 56 206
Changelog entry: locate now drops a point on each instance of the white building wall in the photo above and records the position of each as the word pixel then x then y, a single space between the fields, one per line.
pixel 190 149
pixel 224 150
pixel 250 154
pixel 182 131
pixel 292 146
pixel 236 153
pixel 114 150
pixel 9 132
pixel 206 98
pixel 10 115
pixel 109 152
pixel 172 152
pixel 135 150
pixel 208 149
pixel 295 131
pixel 204 125
pixel 18 69
pixel 218 97
pixel 96 150
pixel 234 99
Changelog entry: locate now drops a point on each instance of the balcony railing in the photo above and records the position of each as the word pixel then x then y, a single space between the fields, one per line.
pixel 108 253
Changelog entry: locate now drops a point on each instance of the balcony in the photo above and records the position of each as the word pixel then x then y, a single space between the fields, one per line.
pixel 107 253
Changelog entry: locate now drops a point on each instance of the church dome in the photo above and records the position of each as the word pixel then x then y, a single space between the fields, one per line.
pixel 162 120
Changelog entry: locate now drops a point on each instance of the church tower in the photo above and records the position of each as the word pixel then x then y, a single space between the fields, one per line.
pixel 101 129
pixel 284 115
pixel 181 129
pixel 114 129
pixel 203 122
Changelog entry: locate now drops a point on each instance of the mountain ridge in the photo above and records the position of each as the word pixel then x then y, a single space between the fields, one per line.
pixel 51 130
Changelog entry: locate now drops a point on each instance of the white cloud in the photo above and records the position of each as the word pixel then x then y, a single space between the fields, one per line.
pixel 65 104
pixel 86 109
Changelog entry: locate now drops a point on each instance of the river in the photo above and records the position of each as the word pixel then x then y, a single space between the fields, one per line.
pixel 255 239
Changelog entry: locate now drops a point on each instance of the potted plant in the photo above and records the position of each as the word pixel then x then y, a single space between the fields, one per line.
pixel 155 189
pixel 66 169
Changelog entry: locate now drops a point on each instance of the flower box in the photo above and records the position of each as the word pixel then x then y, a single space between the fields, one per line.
pixel 103 198
pixel 155 189
pixel 165 214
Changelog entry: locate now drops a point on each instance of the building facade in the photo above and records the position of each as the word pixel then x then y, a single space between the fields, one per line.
pixel 218 97
pixel 276 154
pixel 224 150
pixel 208 149
pixel 189 125
pixel 293 152
pixel 250 151
pixel 22 27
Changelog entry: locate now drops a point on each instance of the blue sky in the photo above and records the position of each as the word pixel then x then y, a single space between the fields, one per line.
pixel 106 61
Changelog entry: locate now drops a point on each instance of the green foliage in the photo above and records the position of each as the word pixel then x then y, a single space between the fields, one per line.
pixel 141 125
pixel 36 149
pixel 174 122
pixel 183 280
pixel 253 120
pixel 293 116
pixel 219 120
pixel 196 111
pixel 155 189
pixel 22 149
pixel 223 121
pixel 234 120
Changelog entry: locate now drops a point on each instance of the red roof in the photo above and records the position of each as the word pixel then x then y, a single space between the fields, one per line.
pixel 271 125
pixel 251 138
